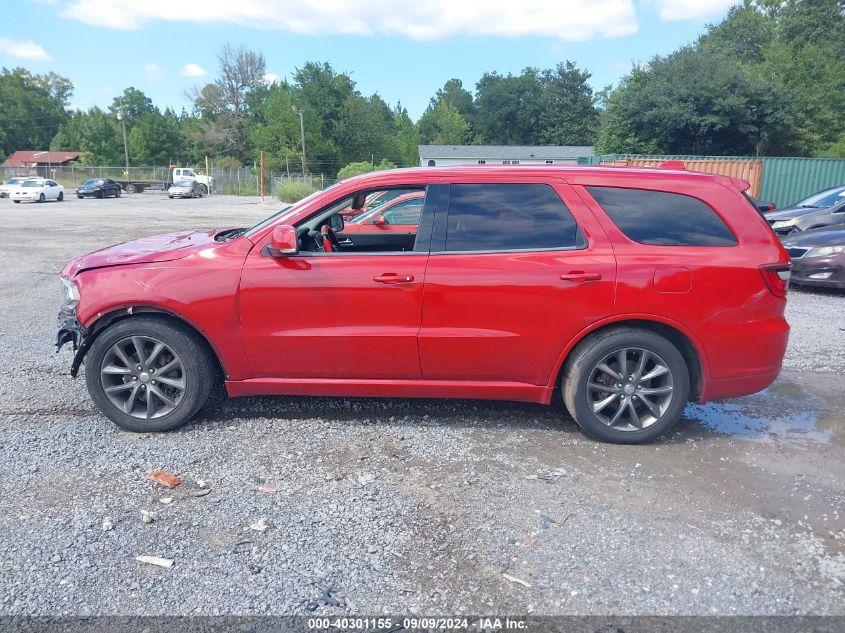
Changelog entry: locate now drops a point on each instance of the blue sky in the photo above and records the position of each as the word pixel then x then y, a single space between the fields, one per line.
pixel 403 49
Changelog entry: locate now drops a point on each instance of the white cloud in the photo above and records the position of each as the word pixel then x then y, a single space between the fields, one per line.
pixel 572 20
pixel 271 78
pixel 193 70
pixel 678 10
pixel 26 50
pixel 153 71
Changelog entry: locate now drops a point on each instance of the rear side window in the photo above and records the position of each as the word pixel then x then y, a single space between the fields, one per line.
pixel 663 219
pixel 501 217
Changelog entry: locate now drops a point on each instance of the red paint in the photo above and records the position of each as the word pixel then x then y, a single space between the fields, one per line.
pixel 483 325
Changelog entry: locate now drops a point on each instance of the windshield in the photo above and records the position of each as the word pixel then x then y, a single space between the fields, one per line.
pixel 14 181
pixel 288 210
pixel 32 183
pixel 824 198
pixel 91 182
pixel 184 183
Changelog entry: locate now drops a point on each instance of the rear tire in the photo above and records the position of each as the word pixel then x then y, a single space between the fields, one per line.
pixel 196 371
pixel 131 189
pixel 117 193
pixel 16 201
pixel 203 190
pixel 647 408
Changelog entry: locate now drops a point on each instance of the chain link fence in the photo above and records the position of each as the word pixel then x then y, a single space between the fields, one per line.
pixel 243 181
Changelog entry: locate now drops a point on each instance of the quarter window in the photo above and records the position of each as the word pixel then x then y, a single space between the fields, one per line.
pixel 663 219
pixel 501 217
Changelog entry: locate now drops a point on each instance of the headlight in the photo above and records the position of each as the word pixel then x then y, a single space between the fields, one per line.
pixel 824 251
pixel 782 224
pixel 70 293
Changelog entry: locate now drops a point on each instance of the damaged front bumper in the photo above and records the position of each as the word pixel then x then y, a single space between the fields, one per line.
pixel 73 332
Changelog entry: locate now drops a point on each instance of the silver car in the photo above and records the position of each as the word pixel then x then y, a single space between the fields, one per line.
pixel 186 189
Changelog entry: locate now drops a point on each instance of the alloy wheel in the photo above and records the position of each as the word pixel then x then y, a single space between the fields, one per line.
pixel 143 377
pixel 630 389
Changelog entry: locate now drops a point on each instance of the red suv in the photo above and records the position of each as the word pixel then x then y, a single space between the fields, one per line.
pixel 633 291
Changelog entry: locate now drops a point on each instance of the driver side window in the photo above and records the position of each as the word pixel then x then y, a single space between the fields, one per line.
pixel 375 221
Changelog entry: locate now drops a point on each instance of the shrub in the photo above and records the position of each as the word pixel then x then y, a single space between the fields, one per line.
pixel 356 169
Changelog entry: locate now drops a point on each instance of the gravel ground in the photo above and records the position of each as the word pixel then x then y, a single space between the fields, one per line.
pixel 401 506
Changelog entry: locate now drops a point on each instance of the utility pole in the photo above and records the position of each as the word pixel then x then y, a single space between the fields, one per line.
pixel 262 176
pixel 122 120
pixel 301 133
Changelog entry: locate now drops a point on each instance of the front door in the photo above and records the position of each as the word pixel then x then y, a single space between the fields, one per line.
pixel 343 315
pixel 511 279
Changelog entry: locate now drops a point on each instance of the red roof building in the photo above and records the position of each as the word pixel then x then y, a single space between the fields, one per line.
pixel 29 158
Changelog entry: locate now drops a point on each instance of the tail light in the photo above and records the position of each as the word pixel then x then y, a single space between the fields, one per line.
pixel 776 277
pixel 771 207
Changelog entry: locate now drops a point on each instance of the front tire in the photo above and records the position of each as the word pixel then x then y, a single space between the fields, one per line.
pixel 176 377
pixel 42 198
pixel 61 196
pixel 626 385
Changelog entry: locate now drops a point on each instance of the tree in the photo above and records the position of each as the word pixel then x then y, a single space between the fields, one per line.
pixel 569 115
pixel 442 124
pixel 508 108
pixel 407 137
pixel 239 72
pixel 32 109
pixel 93 133
pixel 365 129
pixel 454 93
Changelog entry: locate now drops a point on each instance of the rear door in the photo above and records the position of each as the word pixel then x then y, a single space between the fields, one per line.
pixel 516 271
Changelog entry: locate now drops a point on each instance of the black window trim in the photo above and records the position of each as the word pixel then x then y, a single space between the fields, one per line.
pixel 438 237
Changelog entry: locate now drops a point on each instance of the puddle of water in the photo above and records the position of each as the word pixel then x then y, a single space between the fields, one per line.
pixel 789 409
pixel 734 419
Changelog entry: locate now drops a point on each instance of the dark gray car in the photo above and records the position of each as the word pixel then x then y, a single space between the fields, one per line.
pixel 821 209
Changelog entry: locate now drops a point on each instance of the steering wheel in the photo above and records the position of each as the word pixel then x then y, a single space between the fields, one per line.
pixel 330 242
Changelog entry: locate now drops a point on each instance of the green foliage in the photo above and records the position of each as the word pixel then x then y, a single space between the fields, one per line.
pixel 32 108
pixel 356 169
pixel 442 124
pixel 293 190
pixel 767 80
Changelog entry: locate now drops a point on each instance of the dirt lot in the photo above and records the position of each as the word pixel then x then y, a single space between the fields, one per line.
pixel 404 506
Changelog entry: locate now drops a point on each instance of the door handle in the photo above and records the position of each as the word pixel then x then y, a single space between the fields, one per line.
pixel 346 242
pixel 578 276
pixel 393 278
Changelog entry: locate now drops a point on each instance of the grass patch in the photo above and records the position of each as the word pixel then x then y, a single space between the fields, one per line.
pixel 294 191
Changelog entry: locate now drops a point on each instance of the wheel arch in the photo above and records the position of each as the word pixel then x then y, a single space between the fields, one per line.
pixel 120 314
pixel 675 333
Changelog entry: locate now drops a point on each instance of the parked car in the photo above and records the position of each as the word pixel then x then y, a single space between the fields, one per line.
pixel 370 202
pixel 11 183
pixel 792 219
pixel 38 190
pixel 818 257
pixel 98 188
pixel 632 292
pixel 186 189
pixel 391 223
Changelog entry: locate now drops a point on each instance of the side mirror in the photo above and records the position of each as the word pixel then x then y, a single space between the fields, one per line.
pixel 336 223
pixel 283 241
pixel 379 220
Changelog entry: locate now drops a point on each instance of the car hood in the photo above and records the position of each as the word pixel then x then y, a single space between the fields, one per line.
pixel 156 248
pixel 817 237
pixel 789 213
